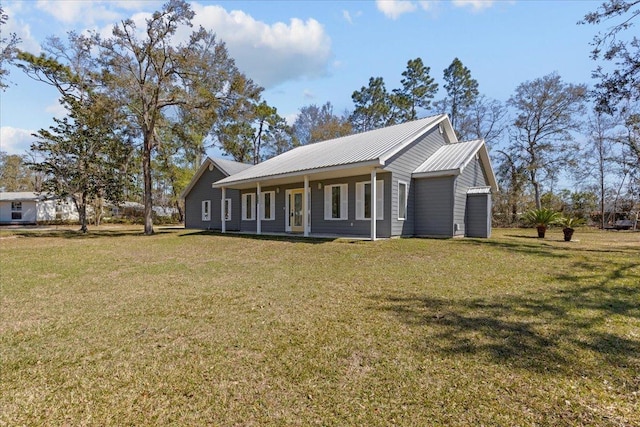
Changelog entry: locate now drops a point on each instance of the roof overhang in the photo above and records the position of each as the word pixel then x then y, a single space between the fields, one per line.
pixel 481 153
pixel 338 171
pixel 448 172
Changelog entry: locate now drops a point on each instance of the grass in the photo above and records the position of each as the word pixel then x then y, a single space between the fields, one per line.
pixel 194 328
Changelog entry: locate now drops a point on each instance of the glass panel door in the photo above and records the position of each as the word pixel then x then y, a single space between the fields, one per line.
pixel 296 223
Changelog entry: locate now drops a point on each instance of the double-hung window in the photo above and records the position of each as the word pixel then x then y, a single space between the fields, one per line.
pixel 268 205
pixel 363 200
pixel 249 206
pixel 336 205
pixel 402 199
pixel 206 210
pixel 16 210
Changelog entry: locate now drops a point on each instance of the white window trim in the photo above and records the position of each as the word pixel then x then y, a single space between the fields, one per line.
pixel 249 212
pixel 227 210
pixel 405 201
pixel 272 205
pixel 206 210
pixel 344 202
pixel 379 200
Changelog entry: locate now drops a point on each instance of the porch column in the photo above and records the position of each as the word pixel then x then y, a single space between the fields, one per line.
pixel 373 205
pixel 223 210
pixel 305 206
pixel 258 209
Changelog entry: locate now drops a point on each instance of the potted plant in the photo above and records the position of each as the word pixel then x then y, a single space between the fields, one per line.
pixel 542 219
pixel 568 224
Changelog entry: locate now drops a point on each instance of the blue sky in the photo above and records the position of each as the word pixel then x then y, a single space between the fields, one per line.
pixel 311 52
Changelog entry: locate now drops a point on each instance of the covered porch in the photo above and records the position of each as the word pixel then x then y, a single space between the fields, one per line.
pixel 293 193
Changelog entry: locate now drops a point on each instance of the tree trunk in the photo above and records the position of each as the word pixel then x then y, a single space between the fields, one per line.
pixel 146 171
pixel 82 212
pixel 536 189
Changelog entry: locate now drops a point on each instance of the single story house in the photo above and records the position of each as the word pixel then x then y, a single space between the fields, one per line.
pixel 32 208
pixel 411 179
pixel 203 204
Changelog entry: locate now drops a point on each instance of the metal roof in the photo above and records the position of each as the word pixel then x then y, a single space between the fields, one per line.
pixel 373 147
pixel 227 167
pixel 18 196
pixel 450 158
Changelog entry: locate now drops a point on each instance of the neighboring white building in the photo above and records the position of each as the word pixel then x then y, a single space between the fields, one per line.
pixel 31 208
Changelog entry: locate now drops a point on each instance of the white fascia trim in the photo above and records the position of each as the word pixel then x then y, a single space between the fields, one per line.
pixel 449 172
pixel 310 172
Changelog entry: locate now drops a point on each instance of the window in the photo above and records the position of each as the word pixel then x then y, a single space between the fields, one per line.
pixel 206 210
pixel 402 200
pixel 336 202
pixel 227 209
pixel 249 206
pixel 363 200
pixel 16 210
pixel 268 205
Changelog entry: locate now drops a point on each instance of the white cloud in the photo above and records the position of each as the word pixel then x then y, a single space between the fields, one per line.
pixel 394 8
pixel 23 31
pixel 476 5
pixel 56 109
pixel 430 5
pixel 347 16
pixel 14 140
pixel 270 54
pixel 71 11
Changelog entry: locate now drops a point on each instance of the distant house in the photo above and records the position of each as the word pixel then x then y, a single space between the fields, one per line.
pixel 203 204
pixel 412 179
pixel 33 208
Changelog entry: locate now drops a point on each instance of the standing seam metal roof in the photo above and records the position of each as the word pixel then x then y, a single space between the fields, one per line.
pixel 230 167
pixel 369 146
pixel 450 157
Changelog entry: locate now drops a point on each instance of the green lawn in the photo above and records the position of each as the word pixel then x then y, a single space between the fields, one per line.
pixel 191 328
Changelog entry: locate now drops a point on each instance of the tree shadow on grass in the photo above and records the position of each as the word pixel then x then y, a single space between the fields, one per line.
pixel 542 332
pixel 77 234
pixel 268 237
pixel 539 249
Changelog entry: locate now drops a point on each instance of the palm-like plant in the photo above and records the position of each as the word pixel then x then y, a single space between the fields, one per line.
pixel 568 223
pixel 542 218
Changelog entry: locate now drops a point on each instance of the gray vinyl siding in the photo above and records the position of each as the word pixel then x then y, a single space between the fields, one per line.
pixel 471 176
pixel 478 215
pixel 278 224
pixel 319 225
pixel 350 226
pixel 402 166
pixel 202 191
pixel 434 200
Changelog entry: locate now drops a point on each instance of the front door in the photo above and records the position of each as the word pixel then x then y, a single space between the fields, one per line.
pixel 295 211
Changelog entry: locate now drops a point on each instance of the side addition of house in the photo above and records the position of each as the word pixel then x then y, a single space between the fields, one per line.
pixel 203 204
pixel 412 179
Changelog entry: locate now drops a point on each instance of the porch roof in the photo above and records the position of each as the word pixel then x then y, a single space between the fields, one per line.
pixel 355 153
